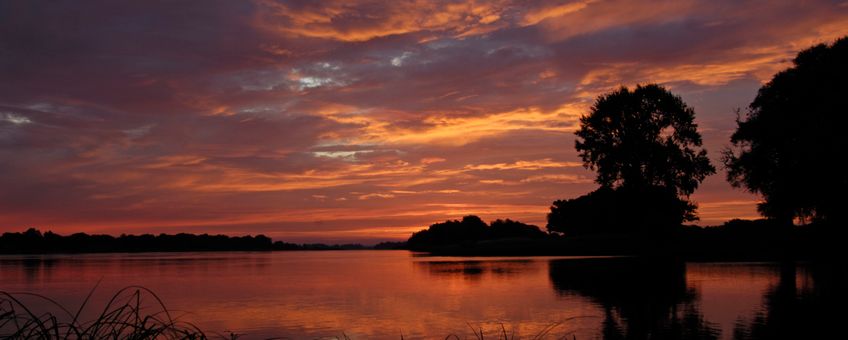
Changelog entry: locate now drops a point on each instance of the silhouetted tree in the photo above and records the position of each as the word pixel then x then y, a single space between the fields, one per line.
pixel 642 138
pixel 646 149
pixel 791 144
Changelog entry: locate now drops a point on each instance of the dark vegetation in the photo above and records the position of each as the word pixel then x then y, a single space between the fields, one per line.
pixel 622 210
pixel 734 240
pixel 33 241
pixel 646 149
pixel 471 230
pixel 126 316
pixel 791 146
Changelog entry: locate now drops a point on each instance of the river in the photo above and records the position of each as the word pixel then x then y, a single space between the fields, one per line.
pixel 389 294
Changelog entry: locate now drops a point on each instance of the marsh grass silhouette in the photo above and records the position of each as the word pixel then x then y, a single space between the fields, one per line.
pixel 123 317
pixel 548 332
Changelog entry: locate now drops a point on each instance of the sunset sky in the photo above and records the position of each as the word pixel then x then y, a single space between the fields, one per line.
pixel 353 121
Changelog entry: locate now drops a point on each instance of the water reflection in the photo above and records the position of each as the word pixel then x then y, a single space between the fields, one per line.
pixel 32 267
pixel 806 303
pixel 477 269
pixel 382 294
pixel 641 299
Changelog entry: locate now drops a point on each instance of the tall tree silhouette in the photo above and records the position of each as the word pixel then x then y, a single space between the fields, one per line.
pixel 646 149
pixel 643 138
pixel 791 146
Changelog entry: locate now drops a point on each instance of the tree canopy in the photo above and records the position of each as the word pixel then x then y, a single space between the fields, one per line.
pixel 642 138
pixel 646 149
pixel 469 230
pixel 791 144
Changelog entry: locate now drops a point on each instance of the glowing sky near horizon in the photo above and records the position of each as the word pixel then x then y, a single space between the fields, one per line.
pixel 347 120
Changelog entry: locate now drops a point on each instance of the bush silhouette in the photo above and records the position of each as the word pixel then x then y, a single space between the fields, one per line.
pixel 470 230
pixel 619 211
pixel 514 229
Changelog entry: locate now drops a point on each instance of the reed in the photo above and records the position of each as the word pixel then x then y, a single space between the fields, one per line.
pixel 123 317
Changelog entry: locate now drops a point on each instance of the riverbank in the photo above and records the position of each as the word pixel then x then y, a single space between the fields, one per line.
pixel 688 243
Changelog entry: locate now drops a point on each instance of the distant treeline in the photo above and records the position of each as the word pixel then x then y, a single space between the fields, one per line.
pixel 33 241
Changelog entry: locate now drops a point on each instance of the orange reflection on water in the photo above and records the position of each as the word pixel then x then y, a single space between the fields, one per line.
pixel 383 294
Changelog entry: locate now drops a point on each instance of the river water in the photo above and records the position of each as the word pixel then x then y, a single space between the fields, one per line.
pixel 389 294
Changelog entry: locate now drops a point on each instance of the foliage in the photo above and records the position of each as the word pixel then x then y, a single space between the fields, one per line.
pixel 790 145
pixel 621 210
pixel 470 229
pixel 513 229
pixel 124 317
pixel 33 241
pixel 646 149
pixel 643 138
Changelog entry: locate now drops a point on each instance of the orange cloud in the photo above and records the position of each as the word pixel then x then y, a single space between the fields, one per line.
pixel 540 14
pixel 357 22
pixel 558 178
pixel 525 165
pixel 459 131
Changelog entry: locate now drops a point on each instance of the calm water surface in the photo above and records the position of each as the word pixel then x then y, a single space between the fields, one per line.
pixel 383 294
